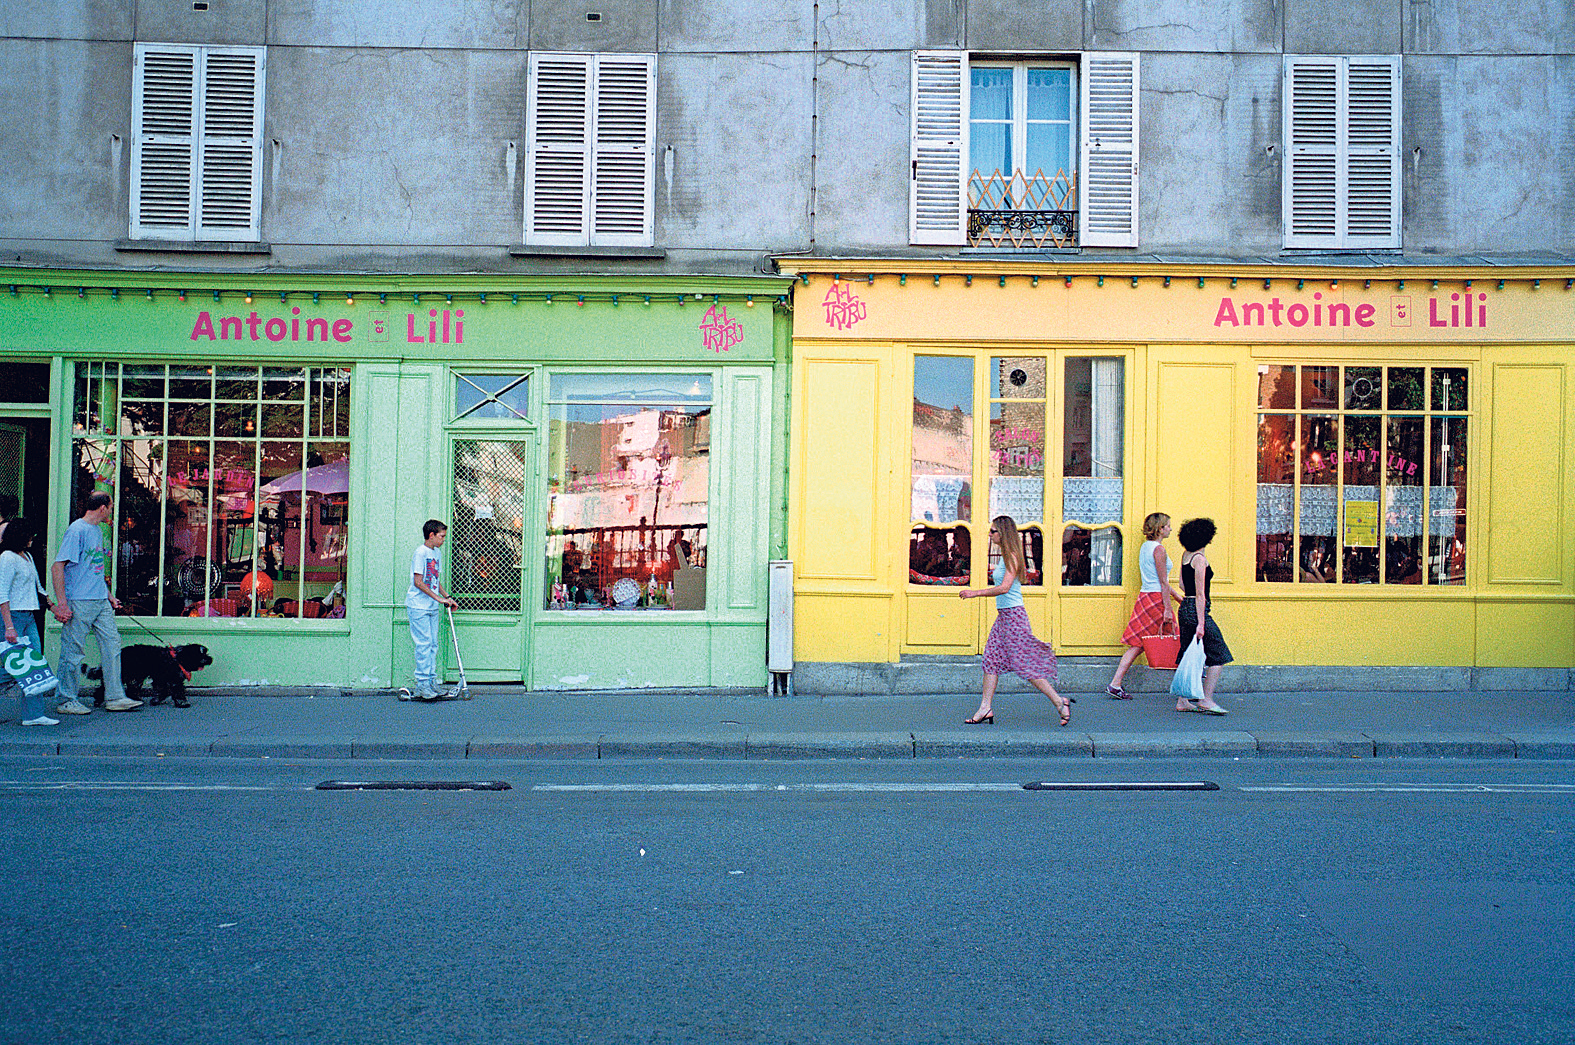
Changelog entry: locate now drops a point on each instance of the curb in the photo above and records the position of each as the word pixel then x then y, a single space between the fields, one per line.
pixel 1003 744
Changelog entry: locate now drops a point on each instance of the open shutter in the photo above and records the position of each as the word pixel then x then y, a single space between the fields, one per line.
pixel 229 171
pixel 164 142
pixel 937 206
pixel 1108 173
pixel 557 147
pixel 1372 163
pixel 625 108
pixel 1312 179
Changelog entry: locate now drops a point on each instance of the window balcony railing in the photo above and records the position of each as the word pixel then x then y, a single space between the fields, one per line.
pixel 1022 210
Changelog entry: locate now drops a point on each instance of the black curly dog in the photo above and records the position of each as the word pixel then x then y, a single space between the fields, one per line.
pixel 141 664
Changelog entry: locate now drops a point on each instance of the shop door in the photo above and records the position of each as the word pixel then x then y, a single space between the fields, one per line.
pixel 13 451
pixel 1039 437
pixel 492 480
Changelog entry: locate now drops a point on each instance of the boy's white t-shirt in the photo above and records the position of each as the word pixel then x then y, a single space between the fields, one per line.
pixel 427 565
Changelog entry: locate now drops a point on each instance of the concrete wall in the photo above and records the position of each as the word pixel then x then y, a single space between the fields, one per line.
pixel 394 132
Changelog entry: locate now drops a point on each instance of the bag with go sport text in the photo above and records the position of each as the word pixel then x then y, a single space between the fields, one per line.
pixel 27 668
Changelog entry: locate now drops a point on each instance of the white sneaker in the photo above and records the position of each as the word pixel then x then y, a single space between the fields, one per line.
pixel 42 720
pixel 123 704
pixel 74 707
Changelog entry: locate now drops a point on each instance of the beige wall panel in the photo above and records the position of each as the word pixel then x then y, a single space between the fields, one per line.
pixel 936 620
pixel 1512 634
pixel 839 471
pixel 1093 623
pixel 1526 475
pixel 842 628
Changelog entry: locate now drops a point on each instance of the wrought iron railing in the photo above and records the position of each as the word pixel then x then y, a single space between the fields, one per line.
pixel 1022 210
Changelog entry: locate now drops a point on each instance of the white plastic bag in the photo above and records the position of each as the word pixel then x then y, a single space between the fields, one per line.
pixel 1188 680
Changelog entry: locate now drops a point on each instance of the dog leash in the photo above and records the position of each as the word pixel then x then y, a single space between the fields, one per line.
pixel 167 647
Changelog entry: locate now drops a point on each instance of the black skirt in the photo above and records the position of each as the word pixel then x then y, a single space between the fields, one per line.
pixel 1215 651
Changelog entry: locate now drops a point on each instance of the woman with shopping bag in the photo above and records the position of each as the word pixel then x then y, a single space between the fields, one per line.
pixel 1197 627
pixel 1151 614
pixel 22 662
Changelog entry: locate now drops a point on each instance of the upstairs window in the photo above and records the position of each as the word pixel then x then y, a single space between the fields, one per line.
pixel 196 154
pixel 589 140
pixel 1342 149
pixel 1031 154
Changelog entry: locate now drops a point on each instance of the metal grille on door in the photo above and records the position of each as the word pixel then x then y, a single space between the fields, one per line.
pixel 487 535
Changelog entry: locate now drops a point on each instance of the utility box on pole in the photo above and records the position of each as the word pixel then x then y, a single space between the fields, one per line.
pixel 779 626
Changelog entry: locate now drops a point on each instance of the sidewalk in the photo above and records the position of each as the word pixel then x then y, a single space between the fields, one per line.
pixel 507 722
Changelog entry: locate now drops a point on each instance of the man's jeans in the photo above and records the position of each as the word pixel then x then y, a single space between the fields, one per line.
pixel 95 615
pixel 424 636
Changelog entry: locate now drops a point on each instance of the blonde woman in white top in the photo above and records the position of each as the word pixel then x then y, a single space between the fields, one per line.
pixel 1152 609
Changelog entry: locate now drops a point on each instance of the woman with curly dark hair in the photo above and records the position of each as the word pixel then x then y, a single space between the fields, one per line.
pixel 1197 578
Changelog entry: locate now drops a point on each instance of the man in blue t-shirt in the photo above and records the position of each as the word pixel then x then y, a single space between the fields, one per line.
pixel 83 603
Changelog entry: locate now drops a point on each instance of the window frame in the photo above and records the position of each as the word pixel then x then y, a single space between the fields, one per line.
pixel 149 144
pixel 1427 414
pixel 1105 143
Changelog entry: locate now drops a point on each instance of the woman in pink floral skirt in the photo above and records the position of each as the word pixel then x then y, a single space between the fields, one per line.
pixel 1012 646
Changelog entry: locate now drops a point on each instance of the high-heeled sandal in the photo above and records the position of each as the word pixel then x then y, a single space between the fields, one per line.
pixel 988 720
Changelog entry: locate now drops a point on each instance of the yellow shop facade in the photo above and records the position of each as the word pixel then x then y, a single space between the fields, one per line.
pixel 1383 450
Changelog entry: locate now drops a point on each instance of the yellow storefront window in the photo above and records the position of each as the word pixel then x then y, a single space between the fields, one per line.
pixel 1362 474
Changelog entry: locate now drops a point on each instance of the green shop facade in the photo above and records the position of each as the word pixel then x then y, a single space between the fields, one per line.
pixel 607 452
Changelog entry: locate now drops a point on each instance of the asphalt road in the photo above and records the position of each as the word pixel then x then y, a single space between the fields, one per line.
pixel 221 900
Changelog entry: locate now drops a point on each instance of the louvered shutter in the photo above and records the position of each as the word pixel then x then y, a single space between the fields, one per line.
pixel 1312 149
pixel 625 111
pixel 229 171
pixel 164 142
pixel 1342 179
pixel 1372 197
pixel 937 205
pixel 1108 174
pixel 557 145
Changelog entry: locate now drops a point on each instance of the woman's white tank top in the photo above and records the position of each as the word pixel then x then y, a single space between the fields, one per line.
pixel 1146 567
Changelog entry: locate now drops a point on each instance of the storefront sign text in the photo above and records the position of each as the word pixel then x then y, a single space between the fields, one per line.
pixel 843 309
pixel 442 327
pixel 1461 311
pixel 717 332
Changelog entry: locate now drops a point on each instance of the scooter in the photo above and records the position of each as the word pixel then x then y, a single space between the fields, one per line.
pixel 461 691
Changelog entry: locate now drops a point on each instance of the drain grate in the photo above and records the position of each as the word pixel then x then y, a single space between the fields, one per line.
pixel 414 785
pixel 1133 785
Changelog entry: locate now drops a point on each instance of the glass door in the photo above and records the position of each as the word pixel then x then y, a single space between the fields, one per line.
pixel 486 560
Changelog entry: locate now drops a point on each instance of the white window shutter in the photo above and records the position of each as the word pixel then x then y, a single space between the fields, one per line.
pixel 1312 182
pixel 1372 171
pixel 937 205
pixel 1108 174
pixel 558 151
pixel 229 172
pixel 1342 145
pixel 164 142
pixel 625 115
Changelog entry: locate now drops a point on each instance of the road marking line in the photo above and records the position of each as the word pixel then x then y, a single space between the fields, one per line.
pixel 875 788
pixel 90 785
pixel 1442 789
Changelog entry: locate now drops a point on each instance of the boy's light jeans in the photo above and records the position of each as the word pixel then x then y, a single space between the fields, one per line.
pixel 98 616
pixel 424 636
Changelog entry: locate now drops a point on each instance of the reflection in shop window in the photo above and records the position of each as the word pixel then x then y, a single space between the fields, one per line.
pixel 1351 484
pixel 942 439
pixel 1090 557
pixel 1017 437
pixel 628 484
pixel 938 555
pixel 231 485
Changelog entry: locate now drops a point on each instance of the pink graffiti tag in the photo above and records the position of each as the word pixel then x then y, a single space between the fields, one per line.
pixel 719 333
pixel 842 308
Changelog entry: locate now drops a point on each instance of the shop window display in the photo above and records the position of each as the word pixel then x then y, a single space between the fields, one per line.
pixel 231 484
pixel 1092 491
pixel 1356 464
pixel 628 484
pixel 938 555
